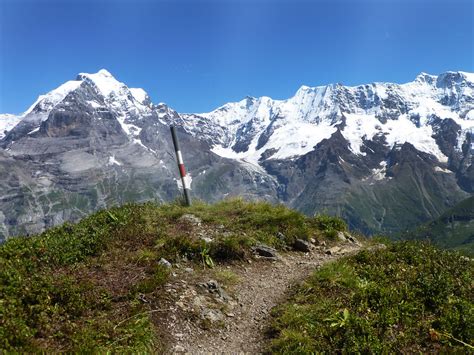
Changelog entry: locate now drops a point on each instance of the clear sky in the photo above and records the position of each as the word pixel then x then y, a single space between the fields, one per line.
pixel 196 55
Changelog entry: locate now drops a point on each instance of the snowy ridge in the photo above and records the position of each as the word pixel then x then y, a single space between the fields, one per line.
pixel 282 129
pixel 256 129
pixel 7 122
pixel 116 94
pixel 128 104
pixel 47 101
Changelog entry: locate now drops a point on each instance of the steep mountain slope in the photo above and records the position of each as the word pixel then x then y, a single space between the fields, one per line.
pixel 92 143
pixel 453 229
pixel 384 156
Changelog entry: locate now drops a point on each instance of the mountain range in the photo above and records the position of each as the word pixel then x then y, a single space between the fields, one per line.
pixel 386 157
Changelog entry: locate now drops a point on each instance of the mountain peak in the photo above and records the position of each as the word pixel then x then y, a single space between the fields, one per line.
pixel 104 72
pixel 425 78
pixel 103 80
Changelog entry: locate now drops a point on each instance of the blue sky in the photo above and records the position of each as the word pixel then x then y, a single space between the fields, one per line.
pixel 197 55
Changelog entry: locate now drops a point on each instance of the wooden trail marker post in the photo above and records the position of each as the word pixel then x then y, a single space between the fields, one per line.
pixel 182 170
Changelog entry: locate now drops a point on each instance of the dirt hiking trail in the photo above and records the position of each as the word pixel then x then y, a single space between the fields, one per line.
pixel 209 319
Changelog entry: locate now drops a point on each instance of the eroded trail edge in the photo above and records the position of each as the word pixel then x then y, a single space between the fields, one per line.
pixel 207 318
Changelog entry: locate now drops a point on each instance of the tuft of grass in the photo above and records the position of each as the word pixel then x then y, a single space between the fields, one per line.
pixel 330 225
pixel 159 276
pixel 227 277
pixel 410 297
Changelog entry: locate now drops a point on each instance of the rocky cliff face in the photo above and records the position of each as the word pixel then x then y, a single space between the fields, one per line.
pixel 96 143
pixel 384 156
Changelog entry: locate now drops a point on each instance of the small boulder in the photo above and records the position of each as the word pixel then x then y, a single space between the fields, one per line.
pixel 191 219
pixel 281 236
pixel 302 245
pixel 265 251
pixel 341 236
pixel 212 315
pixel 165 263
pixel 333 251
pixel 352 239
pixel 213 287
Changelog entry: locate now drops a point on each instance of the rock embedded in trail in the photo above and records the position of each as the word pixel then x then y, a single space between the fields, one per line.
pixel 333 251
pixel 302 245
pixel 213 287
pixel 266 251
pixel 212 315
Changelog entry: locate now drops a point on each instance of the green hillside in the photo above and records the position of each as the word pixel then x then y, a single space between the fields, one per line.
pixel 81 287
pixel 454 229
pixel 101 285
pixel 407 298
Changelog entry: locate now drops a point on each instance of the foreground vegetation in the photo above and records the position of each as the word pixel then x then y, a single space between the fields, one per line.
pixel 98 285
pixel 408 298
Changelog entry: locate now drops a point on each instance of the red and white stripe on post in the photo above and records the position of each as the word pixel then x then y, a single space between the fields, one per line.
pixel 182 170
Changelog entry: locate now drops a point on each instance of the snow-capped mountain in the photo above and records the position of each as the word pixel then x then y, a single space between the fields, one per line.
pixel 261 128
pixel 384 156
pixel 94 142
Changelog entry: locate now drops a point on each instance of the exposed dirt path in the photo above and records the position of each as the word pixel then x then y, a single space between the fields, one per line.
pixel 262 286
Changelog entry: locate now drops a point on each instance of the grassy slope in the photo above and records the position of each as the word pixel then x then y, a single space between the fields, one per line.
pixel 408 298
pixel 454 229
pixel 79 287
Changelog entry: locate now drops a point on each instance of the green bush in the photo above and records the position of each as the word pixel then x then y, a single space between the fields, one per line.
pixel 329 225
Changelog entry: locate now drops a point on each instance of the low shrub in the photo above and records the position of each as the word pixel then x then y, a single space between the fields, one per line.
pixel 410 297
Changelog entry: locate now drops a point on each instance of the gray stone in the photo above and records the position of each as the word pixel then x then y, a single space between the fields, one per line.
pixel 212 315
pixel 265 251
pixel 302 245
pixel 281 236
pixel 333 250
pixel 341 236
pixel 179 349
pixel 191 219
pixel 352 239
pixel 213 287
pixel 165 263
